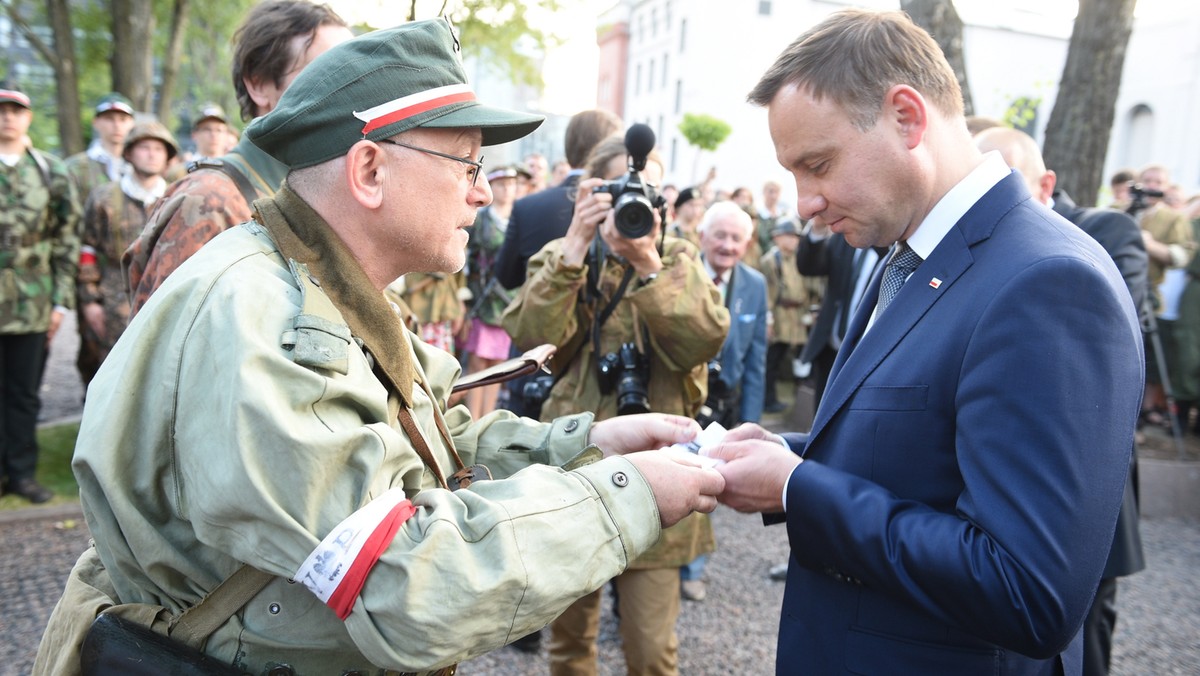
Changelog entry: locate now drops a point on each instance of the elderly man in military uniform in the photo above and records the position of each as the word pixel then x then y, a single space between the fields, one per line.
pixel 267 411
pixel 791 297
pixel 102 162
pixel 38 251
pixel 113 216
pixel 635 320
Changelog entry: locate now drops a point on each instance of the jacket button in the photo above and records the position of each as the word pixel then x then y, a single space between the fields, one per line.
pixel 273 609
pixel 620 479
pixel 571 426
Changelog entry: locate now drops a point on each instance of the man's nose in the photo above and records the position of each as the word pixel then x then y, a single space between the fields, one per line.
pixel 809 202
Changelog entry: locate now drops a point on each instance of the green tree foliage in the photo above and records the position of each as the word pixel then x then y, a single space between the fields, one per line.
pixel 505 35
pixel 704 131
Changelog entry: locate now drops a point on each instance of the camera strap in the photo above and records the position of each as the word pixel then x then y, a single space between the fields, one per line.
pixel 594 293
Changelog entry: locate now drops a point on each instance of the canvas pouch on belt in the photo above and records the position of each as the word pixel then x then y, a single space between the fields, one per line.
pixel 70 646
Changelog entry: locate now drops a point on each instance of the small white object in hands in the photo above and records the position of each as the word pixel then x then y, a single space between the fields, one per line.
pixel 710 436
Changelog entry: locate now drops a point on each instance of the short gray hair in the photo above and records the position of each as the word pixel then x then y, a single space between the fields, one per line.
pixel 727 209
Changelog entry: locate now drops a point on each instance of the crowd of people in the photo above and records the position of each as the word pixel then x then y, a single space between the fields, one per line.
pixel 305 363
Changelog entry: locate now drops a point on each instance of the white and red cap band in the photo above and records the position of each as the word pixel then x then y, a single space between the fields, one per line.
pixel 14 96
pixel 337 569
pixel 413 104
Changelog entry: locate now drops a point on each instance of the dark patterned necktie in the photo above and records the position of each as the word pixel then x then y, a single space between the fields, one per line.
pixel 898 269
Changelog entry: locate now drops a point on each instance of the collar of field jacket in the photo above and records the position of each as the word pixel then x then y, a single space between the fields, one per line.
pixel 301 234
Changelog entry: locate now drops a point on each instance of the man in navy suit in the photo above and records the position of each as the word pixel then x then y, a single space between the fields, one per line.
pixel 725 234
pixel 952 508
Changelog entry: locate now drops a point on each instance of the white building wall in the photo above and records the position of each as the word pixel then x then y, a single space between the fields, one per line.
pixel 1162 72
pixel 1011 51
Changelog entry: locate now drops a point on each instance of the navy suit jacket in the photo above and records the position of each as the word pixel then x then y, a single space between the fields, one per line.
pixel 535 220
pixel 743 356
pixel 1121 237
pixel 962 478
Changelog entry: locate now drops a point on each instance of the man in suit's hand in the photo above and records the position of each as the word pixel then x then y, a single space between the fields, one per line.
pixel 756 468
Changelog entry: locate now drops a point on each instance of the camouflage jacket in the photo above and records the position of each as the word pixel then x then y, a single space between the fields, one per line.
pixel 433 296
pixel 195 209
pixel 686 323
pixel 111 220
pixel 39 244
pixel 488 296
pixel 87 173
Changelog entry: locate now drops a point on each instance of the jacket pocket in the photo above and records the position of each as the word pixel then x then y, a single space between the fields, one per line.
pixel 872 653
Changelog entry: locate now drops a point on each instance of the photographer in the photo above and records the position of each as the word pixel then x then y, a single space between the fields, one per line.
pixel 596 293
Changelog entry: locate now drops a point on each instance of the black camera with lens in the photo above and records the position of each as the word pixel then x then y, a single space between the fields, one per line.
pixel 535 393
pixel 634 200
pixel 1138 195
pixel 722 400
pixel 625 371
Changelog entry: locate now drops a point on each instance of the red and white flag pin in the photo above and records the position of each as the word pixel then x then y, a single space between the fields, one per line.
pixel 935 282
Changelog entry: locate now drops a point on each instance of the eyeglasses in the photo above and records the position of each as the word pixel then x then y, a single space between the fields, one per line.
pixel 476 165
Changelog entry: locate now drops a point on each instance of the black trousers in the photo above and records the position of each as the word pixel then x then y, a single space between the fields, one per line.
pixel 821 367
pixel 21 356
pixel 1098 629
pixel 777 361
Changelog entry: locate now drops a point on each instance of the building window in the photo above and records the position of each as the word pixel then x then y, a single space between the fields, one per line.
pixel 654 21
pixel 637 80
pixel 667 12
pixel 678 96
pixel 660 126
pixel 665 81
pixel 1139 137
pixel 682 35
pixel 764 7
pixel 650 77
pixel 674 152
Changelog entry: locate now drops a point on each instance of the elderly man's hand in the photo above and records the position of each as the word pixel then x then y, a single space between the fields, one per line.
pixel 680 482
pixel 642 432
pixel 755 470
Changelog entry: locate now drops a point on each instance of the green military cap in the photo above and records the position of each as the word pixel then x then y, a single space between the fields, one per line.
pixel 785 226
pixel 210 111
pixel 150 129
pixel 14 96
pixel 376 86
pixel 114 101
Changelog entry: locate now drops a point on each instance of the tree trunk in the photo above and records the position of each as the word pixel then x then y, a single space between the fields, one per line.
pixel 61 58
pixel 133 56
pixel 1081 122
pixel 941 20
pixel 66 78
pixel 170 65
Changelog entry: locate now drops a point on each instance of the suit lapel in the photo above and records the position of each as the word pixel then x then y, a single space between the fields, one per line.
pixel 861 354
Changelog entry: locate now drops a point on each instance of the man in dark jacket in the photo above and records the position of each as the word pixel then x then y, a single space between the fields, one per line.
pixel 1121 237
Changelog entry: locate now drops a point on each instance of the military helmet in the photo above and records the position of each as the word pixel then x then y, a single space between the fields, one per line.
pixel 151 129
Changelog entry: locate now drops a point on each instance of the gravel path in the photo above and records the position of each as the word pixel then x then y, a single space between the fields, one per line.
pixel 733 631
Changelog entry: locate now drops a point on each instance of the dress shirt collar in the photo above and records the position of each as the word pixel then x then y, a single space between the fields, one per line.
pixel 955 203
pixel 712 274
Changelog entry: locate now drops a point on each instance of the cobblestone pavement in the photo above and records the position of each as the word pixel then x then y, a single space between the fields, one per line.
pixel 732 631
